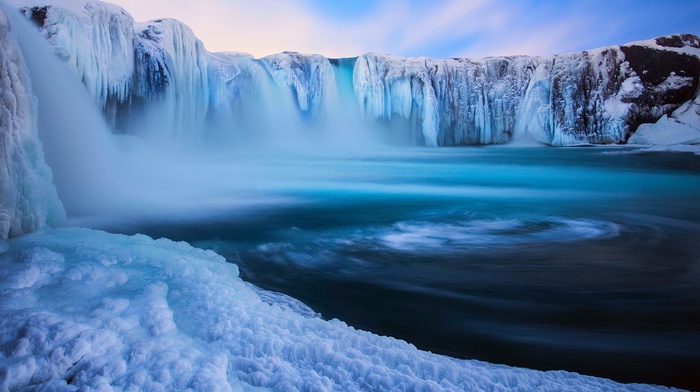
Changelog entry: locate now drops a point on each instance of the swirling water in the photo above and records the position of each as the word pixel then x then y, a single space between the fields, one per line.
pixel 583 259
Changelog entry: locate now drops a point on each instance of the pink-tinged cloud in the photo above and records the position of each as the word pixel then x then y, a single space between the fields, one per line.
pixel 435 28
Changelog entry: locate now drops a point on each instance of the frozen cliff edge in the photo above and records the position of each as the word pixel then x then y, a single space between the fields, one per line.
pixel 156 80
pixel 83 309
pixel 131 313
pixel 161 70
pixel 28 198
pixel 593 97
pixel 682 125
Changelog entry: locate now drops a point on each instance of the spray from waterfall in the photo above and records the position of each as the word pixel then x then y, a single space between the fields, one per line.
pixel 104 178
pixel 75 139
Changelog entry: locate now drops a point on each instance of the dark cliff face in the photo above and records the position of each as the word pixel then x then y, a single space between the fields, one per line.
pixel 669 78
pixel 37 15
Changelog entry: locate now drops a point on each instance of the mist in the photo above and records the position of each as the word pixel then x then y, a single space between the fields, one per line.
pixel 311 175
pixel 239 159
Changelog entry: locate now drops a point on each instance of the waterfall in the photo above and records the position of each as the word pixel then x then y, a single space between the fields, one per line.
pixel 76 140
pixel 175 110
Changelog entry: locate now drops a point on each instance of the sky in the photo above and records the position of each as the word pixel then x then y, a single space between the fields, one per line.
pixel 432 28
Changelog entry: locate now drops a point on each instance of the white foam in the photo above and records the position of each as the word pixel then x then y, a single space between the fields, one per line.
pixel 474 234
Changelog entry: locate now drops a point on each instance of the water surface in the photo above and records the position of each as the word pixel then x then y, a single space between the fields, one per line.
pixel 583 259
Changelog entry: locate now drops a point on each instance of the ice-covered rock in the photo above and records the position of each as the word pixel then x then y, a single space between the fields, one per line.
pixel 598 96
pixel 236 88
pixel 454 101
pixel 161 71
pixel 310 76
pixel 155 71
pixel 668 69
pixel 96 40
pixel 238 78
pixel 681 127
pixel 82 309
pixel 28 199
pixel 171 81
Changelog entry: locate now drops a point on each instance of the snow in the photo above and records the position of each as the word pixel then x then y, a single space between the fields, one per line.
pixel 180 91
pixel 174 80
pixel 685 44
pixel 85 34
pixel 681 127
pixel 419 236
pixel 82 308
pixel 310 76
pixel 565 100
pixel 28 199
pixel 619 105
pixel 666 131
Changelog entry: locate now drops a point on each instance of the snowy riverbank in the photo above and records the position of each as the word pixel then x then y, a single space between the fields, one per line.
pixel 84 308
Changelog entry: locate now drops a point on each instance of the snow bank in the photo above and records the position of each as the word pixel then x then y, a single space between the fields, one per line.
pixel 28 199
pixel 82 308
pixel 95 40
pixel 681 127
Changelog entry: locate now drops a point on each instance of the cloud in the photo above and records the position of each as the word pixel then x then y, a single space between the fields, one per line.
pixel 436 28
pixel 260 27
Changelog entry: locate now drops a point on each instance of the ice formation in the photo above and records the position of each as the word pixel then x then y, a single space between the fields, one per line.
pixel 310 76
pixel 590 97
pixel 173 76
pixel 28 198
pixel 82 308
pixel 593 97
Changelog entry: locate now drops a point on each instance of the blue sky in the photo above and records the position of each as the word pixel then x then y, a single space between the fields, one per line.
pixel 434 28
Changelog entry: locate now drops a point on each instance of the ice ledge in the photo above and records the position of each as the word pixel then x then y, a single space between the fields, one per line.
pixel 136 313
pixel 28 199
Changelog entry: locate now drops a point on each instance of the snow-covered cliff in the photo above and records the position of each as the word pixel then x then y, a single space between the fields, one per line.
pixel 82 309
pixel 159 70
pixel 96 40
pixel 598 96
pixel 311 77
pixel 28 199
pixel 161 315
pixel 171 76
pixel 127 66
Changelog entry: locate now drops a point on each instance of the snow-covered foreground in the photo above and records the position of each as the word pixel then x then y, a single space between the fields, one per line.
pixel 83 308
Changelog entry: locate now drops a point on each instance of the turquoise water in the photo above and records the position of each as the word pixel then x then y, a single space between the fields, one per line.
pixel 583 259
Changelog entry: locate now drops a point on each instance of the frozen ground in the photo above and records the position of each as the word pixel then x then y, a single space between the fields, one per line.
pixel 82 308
